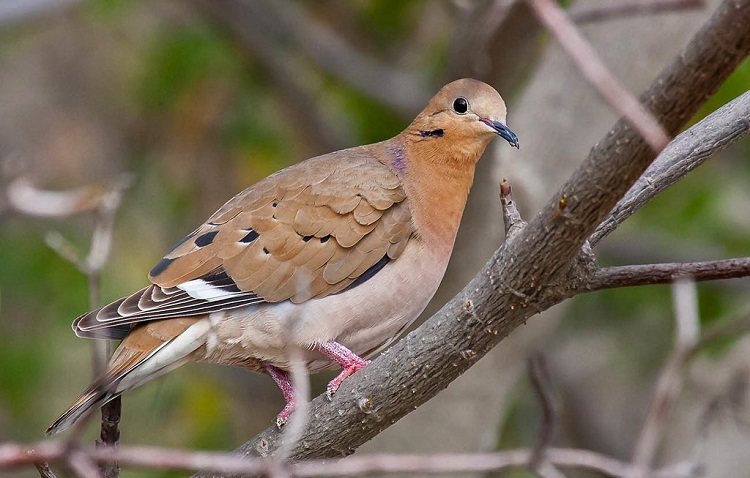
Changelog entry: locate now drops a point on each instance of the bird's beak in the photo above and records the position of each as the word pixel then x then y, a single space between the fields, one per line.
pixel 503 131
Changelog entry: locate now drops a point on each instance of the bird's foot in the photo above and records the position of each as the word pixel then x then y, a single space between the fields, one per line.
pixel 284 414
pixel 284 382
pixel 349 361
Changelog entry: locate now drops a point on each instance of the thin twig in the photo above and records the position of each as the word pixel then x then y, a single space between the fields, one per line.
pixel 511 217
pixel 542 384
pixel 82 464
pixel 593 69
pixel 105 210
pixel 671 377
pixel 14 455
pixel 621 8
pixel 650 274
pixel 44 470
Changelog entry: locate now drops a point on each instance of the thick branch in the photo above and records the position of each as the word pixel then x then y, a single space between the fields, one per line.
pixel 689 150
pixel 527 274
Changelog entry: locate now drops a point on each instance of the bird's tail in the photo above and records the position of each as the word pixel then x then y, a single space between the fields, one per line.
pixel 98 393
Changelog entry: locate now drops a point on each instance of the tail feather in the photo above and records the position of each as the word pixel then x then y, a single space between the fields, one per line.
pixel 90 400
pixel 145 354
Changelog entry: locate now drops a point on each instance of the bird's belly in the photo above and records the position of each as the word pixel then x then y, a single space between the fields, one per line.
pixel 363 319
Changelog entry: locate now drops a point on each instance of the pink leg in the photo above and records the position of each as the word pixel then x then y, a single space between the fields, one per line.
pixel 349 361
pixel 284 382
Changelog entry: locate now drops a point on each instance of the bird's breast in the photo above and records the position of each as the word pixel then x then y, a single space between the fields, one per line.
pixel 363 318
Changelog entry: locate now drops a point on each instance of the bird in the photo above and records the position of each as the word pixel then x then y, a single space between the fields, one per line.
pixel 330 259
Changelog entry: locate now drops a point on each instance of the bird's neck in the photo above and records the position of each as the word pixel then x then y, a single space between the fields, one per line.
pixel 437 173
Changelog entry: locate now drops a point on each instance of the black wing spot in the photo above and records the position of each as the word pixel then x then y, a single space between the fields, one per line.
pixel 160 267
pixel 265 251
pixel 275 204
pixel 369 273
pixel 324 239
pixel 205 239
pixel 307 238
pixel 250 237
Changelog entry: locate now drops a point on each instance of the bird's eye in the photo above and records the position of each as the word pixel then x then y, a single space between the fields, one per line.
pixel 460 105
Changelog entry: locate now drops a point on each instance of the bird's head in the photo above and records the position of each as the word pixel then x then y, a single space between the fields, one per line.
pixel 464 111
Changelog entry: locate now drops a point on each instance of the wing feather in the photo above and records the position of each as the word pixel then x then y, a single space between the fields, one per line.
pixel 305 232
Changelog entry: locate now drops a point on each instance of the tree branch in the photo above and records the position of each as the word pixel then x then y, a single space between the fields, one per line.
pixel 666 273
pixel 690 149
pixel 530 272
pixel 13 455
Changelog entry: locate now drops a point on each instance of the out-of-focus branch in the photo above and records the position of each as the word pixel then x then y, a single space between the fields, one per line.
pixel 596 73
pixel 19 10
pixel 686 152
pixel 670 380
pixel 276 24
pixel 15 455
pixel 102 201
pixel 542 384
pixel 622 8
pixel 255 32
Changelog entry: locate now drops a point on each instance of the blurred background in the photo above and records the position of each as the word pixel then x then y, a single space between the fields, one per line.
pixel 199 99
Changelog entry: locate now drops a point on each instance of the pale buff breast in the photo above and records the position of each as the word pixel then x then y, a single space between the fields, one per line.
pixel 364 319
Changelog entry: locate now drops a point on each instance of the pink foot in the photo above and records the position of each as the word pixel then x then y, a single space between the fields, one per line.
pixel 349 361
pixel 284 382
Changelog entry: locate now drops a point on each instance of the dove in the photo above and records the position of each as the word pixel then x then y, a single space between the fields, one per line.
pixel 327 261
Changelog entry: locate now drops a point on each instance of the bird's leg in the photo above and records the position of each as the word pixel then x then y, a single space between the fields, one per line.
pixel 349 361
pixel 284 382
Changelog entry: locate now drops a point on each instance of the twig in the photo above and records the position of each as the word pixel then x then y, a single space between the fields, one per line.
pixel 14 455
pixel 690 149
pixel 542 384
pixel 650 274
pixel 621 8
pixel 83 464
pixel 106 208
pixel 669 382
pixel 511 217
pixel 596 73
pixel 44 470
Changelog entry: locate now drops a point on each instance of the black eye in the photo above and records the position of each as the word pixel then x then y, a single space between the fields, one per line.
pixel 460 105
